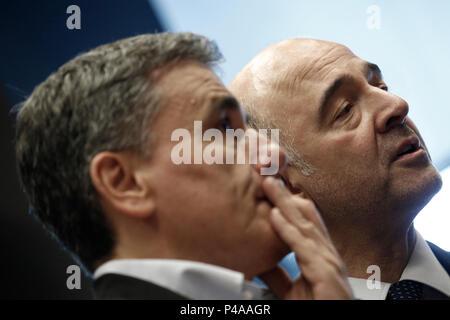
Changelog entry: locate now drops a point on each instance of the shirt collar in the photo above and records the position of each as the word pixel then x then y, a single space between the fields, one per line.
pixel 422 266
pixel 194 280
pixel 363 291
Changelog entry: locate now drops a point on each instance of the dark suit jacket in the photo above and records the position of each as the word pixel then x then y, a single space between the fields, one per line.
pixel 442 256
pixel 119 287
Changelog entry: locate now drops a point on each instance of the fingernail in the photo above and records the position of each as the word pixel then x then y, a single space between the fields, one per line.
pixel 275 212
pixel 270 180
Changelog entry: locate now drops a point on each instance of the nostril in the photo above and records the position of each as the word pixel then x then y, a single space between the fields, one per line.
pixel 390 121
pixel 395 121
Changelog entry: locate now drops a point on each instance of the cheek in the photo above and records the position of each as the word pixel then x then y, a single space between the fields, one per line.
pixel 203 192
pixel 349 150
pixel 203 189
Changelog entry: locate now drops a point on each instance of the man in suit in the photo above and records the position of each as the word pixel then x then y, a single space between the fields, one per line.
pixel 356 154
pixel 98 149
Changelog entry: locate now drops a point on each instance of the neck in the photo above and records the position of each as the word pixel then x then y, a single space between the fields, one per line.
pixel 388 249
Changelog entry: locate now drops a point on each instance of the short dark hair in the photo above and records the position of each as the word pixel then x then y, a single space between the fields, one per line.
pixel 102 100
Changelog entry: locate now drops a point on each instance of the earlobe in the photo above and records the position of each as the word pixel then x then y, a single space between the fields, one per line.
pixel 293 184
pixel 118 183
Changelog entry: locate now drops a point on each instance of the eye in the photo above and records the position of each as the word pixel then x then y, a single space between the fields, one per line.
pixel 246 118
pixel 225 122
pixel 384 87
pixel 283 182
pixel 345 111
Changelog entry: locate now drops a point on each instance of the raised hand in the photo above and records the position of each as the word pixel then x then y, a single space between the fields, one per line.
pixel 298 223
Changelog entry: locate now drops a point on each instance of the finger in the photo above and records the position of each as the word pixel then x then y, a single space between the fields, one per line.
pixel 320 263
pixel 312 224
pixel 320 267
pixel 309 251
pixel 283 199
pixel 310 212
pixel 278 281
pixel 289 233
pixel 295 210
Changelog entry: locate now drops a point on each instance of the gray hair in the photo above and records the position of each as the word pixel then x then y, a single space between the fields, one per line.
pixel 102 100
pixel 260 120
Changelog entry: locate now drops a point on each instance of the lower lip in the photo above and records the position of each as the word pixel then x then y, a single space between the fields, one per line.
pixel 418 154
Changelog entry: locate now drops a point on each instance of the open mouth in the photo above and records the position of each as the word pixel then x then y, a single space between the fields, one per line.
pixel 407 147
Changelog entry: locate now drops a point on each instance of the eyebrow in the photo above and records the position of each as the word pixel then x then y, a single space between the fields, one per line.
pixel 227 102
pixel 370 69
pixel 224 103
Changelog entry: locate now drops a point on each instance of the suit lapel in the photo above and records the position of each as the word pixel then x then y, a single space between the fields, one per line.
pixel 442 256
pixel 444 259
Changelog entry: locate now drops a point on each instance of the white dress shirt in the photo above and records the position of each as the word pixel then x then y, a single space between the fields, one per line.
pixel 194 280
pixel 422 266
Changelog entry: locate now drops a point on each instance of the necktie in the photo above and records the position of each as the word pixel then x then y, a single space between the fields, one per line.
pixel 405 290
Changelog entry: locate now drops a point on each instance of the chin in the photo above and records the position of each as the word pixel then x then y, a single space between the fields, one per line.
pixel 431 188
pixel 419 190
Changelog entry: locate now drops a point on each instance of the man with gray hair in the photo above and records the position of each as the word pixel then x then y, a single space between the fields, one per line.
pixel 356 154
pixel 94 144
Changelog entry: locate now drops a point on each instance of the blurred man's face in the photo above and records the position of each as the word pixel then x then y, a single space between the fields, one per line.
pixel 214 213
pixel 367 155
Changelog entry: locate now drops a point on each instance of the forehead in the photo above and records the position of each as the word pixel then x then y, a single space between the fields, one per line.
pixel 305 72
pixel 188 89
pixel 313 71
pixel 323 62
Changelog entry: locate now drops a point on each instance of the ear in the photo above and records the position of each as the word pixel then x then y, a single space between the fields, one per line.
pixel 118 181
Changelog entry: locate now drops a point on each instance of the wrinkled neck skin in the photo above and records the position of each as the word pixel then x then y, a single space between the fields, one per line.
pixel 389 249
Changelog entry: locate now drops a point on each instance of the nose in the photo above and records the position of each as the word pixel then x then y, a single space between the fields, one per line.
pixel 271 157
pixel 393 113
